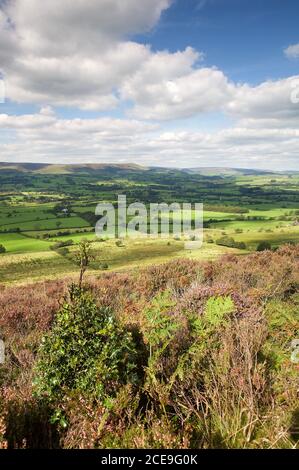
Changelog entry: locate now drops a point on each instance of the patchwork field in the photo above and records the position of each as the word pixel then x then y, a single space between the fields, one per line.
pixel 45 213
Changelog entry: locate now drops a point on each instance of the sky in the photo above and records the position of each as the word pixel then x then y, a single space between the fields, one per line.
pixel 172 83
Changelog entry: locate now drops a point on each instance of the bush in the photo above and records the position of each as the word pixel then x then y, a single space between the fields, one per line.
pixel 226 241
pixel 56 246
pixel 240 245
pixel 86 351
pixel 263 246
pixel 63 251
pixel 2 249
pixel 230 242
pixel 104 266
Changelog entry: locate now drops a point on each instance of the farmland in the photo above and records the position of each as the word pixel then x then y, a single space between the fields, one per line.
pixel 42 206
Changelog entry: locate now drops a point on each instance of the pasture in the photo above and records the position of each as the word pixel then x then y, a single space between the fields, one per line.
pixel 39 210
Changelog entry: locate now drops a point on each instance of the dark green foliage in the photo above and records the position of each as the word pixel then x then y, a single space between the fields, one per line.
pixel 104 266
pixel 58 245
pixel 231 243
pixel 2 249
pixel 263 246
pixel 86 351
pixel 63 251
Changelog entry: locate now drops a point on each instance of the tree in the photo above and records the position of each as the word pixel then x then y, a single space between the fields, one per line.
pixel 83 258
pixel 2 249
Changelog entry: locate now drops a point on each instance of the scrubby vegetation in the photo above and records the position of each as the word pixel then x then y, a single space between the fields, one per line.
pixel 186 354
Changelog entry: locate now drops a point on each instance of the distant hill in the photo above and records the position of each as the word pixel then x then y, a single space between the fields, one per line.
pixel 45 168
pixel 213 171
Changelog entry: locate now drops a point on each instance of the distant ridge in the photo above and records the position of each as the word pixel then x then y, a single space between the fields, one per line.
pixel 48 168
pixel 210 171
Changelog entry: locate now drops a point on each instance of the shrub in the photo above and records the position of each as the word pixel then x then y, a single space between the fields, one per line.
pixel 86 351
pixel 263 246
pixel 104 266
pixel 226 241
pixel 63 251
pixel 56 246
pixel 2 249
pixel 231 243
pixel 240 245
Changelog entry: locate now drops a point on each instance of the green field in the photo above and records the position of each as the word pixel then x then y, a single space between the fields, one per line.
pixel 18 243
pixel 40 208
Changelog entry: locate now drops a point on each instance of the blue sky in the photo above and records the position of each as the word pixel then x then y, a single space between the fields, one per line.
pixel 245 38
pixel 158 82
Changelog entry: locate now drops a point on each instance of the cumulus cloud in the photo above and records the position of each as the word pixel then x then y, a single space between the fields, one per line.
pixel 292 52
pixel 167 87
pixel 269 103
pixel 79 54
pixel 73 53
pixel 82 54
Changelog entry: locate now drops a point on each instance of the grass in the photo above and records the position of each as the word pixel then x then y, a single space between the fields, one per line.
pixel 30 207
pixel 133 254
pixel 18 243
pixel 58 222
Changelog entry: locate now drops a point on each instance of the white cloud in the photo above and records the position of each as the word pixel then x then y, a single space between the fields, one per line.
pixel 168 86
pixel 266 105
pixel 45 137
pixel 78 54
pixel 73 53
pixel 292 52
pixel 81 54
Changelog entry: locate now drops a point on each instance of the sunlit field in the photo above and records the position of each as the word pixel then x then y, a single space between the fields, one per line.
pixel 45 212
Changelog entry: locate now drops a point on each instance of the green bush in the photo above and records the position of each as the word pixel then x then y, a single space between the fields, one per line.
pixel 104 266
pixel 263 246
pixel 2 249
pixel 63 251
pixel 58 245
pixel 86 351
pixel 230 242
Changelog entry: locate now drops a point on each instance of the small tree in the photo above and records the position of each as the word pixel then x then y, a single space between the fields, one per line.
pixel 83 258
pixel 2 249
pixel 87 351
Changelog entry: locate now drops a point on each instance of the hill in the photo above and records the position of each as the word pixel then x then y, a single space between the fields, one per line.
pixel 45 168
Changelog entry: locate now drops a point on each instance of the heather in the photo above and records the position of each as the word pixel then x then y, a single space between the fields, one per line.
pixel 185 354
